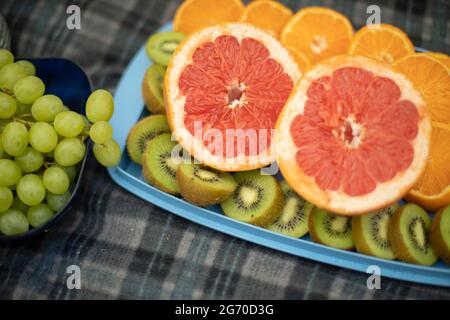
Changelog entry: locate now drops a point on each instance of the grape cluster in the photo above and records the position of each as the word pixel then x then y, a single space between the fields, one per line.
pixel 42 143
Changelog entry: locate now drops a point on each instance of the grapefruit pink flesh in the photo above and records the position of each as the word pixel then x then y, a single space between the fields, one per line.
pixel 356 131
pixel 233 84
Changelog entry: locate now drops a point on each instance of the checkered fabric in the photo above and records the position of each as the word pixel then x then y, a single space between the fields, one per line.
pixel 128 248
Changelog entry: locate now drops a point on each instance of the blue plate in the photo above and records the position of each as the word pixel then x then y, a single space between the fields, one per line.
pixel 130 107
pixel 68 81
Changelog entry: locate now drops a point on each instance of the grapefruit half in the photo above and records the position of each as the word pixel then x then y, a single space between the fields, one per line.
pixel 224 90
pixel 354 136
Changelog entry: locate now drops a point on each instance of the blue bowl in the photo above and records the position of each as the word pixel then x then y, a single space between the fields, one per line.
pixel 68 81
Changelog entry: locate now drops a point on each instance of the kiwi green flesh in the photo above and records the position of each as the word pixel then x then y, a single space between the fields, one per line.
pixel 258 199
pixel 144 131
pixel 208 178
pixel 159 168
pixel 160 46
pixel 440 234
pixel 370 233
pixel 330 229
pixel 155 78
pixel 204 186
pixel 409 235
pixel 293 220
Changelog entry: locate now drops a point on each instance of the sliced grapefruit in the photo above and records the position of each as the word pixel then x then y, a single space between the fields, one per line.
pixel 354 136
pixel 224 89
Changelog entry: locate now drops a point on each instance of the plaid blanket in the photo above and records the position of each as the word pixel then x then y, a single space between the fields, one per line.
pixel 127 248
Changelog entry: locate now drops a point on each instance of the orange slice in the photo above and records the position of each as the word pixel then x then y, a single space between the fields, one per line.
pixel 300 58
pixel 432 78
pixel 224 90
pixel 382 42
pixel 442 57
pixel 432 191
pixel 268 15
pixel 318 32
pixel 354 135
pixel 197 14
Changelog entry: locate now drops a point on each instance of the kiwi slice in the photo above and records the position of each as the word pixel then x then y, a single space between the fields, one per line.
pixel 408 233
pixel 258 199
pixel 202 186
pixel 152 89
pixel 160 46
pixel 440 234
pixel 370 233
pixel 293 220
pixel 158 166
pixel 331 229
pixel 143 131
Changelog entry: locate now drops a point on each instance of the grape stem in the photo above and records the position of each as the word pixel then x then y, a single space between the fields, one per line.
pixel 48 163
pixel 25 122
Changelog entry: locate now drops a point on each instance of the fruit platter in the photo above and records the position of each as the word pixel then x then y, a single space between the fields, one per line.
pixel 292 130
pixel 351 126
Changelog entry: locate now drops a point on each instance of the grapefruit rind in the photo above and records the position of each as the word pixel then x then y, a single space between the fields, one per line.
pixel 175 101
pixel 386 193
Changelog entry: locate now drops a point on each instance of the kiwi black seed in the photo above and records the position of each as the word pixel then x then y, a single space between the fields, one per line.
pixel 152 89
pixel 330 229
pixel 142 132
pixel 160 46
pixel 204 186
pixel 440 234
pixel 370 233
pixel 409 235
pixel 293 220
pixel 258 199
pixel 159 166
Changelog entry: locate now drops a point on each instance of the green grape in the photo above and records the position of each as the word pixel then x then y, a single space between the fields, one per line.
pixel 40 214
pixel 13 222
pixel 9 75
pixel 10 173
pixel 46 108
pixel 3 123
pixel 66 108
pixel 19 205
pixel 6 57
pixel 101 132
pixel 56 180
pixel 22 109
pixel 68 124
pixel 43 137
pixel 57 201
pixel 8 106
pixel 15 138
pixel 86 121
pixel 99 106
pixel 69 151
pixel 30 160
pixel 1 147
pixel 71 171
pixel 31 189
pixel 29 67
pixel 6 199
pixel 27 90
pixel 108 154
